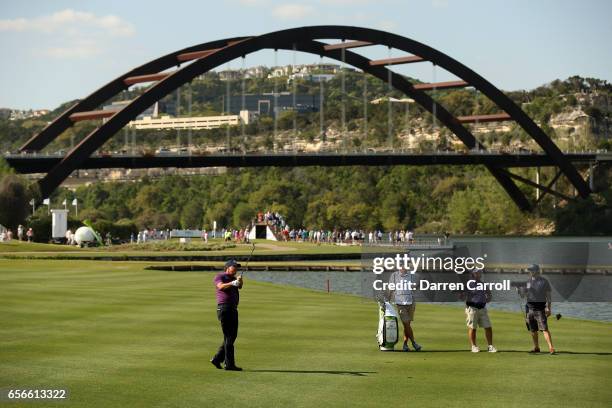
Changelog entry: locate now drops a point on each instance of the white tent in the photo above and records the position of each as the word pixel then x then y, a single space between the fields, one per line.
pixel 262 231
pixel 59 223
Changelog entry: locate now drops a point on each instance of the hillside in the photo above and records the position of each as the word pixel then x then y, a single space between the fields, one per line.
pixel 574 112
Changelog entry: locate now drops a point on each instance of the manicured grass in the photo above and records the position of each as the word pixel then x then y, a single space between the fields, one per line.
pixel 263 247
pixel 118 336
pixel 23 246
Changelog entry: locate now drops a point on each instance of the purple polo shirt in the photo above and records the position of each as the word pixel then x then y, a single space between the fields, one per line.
pixel 229 295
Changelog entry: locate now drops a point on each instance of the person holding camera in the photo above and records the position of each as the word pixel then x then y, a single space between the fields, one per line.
pixel 537 291
pixel 227 286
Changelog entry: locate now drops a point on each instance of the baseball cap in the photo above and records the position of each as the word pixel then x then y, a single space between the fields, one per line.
pixel 232 262
pixel 533 268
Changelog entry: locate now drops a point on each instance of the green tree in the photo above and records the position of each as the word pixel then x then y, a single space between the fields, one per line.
pixel 463 212
pixel 243 214
pixel 221 213
pixel 191 215
pixel 14 200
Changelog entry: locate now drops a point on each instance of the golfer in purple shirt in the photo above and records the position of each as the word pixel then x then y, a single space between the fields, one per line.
pixel 227 286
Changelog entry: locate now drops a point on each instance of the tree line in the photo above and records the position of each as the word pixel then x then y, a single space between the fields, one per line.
pixel 436 199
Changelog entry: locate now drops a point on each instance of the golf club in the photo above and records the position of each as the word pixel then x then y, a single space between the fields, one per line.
pixel 248 259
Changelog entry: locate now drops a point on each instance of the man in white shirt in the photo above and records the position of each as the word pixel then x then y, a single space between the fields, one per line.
pixel 410 237
pixel 404 302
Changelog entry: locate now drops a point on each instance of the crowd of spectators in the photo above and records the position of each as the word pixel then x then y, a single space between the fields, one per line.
pixel 273 219
pixel 236 235
pixel 6 234
pixel 150 234
pixel 283 232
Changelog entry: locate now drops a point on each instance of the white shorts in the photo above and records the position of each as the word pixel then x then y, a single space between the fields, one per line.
pixel 477 317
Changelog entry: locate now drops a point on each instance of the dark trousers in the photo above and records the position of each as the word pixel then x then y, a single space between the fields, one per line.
pixel 228 316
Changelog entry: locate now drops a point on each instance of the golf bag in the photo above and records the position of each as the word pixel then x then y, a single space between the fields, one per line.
pixel 387 334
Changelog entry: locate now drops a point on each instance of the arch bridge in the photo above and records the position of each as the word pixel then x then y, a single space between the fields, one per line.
pixel 196 60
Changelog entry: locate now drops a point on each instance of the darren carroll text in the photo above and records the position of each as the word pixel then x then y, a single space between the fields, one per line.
pixel 452 286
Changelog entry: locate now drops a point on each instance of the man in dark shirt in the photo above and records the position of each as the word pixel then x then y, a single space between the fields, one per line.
pixel 227 287
pixel 476 313
pixel 538 307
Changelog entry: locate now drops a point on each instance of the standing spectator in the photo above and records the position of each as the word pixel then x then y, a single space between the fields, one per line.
pixel 20 232
pixel 538 307
pixel 410 236
pixel 30 234
pixel 9 235
pixel 476 313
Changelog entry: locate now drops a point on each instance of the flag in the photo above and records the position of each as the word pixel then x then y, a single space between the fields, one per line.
pixel 46 201
pixel 74 202
pixel 64 202
pixel 32 202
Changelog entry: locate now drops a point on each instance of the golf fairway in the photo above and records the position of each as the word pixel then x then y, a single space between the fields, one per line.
pixel 115 335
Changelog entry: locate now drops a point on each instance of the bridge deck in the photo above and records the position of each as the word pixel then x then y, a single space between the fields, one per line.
pixel 42 164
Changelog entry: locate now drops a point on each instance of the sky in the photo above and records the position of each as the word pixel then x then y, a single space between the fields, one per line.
pixel 56 51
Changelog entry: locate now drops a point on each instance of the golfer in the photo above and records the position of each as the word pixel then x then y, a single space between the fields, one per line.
pixel 476 313
pixel 227 287
pixel 405 305
pixel 538 307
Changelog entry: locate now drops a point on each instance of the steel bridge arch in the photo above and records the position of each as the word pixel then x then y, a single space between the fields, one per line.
pixel 213 54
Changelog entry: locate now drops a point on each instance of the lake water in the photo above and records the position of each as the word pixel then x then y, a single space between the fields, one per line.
pixel 353 283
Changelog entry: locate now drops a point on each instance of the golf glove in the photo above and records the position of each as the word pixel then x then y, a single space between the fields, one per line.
pixel 236 283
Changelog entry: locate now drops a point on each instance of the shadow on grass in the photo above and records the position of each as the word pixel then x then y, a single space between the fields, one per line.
pixel 591 353
pixel 354 373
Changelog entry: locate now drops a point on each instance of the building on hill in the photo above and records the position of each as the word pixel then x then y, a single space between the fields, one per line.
pixel 198 122
pixel 263 104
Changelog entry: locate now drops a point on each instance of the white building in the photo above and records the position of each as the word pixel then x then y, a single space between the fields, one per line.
pixel 198 122
pixel 311 77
